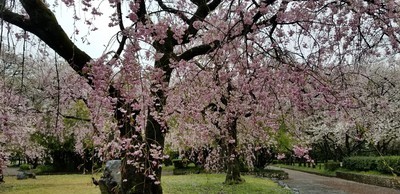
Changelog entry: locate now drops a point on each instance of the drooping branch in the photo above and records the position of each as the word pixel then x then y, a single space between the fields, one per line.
pixel 43 23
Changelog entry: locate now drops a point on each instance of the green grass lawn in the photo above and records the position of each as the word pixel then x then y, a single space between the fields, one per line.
pixel 50 184
pixel 172 184
pixel 212 184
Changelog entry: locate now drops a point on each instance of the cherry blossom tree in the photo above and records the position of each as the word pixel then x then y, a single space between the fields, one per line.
pixel 363 116
pixel 302 34
pixel 378 104
pixel 237 108
pixel 35 100
pixel 220 107
pixel 16 130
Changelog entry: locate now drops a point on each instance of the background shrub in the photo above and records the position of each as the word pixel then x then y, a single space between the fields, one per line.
pixel 172 155
pixel 383 164
pixel 332 166
pixel 25 167
pixel 360 163
pixel 180 163
pixel 44 169
pixel 389 164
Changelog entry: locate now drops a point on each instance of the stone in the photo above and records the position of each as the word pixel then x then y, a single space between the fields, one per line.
pixel 21 175
pixel 30 174
pixel 110 181
pixel 281 183
pixel 25 175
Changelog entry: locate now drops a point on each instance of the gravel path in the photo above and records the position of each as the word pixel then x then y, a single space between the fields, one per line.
pixel 10 171
pixel 306 183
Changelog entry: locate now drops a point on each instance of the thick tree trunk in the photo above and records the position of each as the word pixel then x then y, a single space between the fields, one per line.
pixel 233 162
pixel 233 172
pixel 136 181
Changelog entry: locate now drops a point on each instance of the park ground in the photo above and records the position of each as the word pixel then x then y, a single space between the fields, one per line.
pixel 172 184
pixel 298 182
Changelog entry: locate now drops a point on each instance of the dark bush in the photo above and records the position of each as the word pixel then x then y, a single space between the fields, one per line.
pixel 187 170
pixel 263 157
pixel 332 166
pixel 180 163
pixel 44 169
pixel 172 155
pixel 243 167
pixel 360 163
pixel 25 167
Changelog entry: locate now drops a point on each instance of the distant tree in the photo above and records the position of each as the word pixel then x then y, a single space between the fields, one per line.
pixel 35 102
pixel 365 121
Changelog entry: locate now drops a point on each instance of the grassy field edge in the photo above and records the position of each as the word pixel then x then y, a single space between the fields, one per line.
pixel 172 184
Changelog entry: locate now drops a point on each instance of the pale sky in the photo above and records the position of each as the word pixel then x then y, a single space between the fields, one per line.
pixel 92 42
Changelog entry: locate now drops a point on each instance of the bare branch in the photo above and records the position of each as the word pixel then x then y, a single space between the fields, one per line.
pixel 13 18
pixel 43 23
pixel 75 118
pixel 179 13
pixel 122 28
pixel 201 13
pixel 199 50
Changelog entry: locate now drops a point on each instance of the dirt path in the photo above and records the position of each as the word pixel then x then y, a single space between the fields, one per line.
pixel 306 183
pixel 10 171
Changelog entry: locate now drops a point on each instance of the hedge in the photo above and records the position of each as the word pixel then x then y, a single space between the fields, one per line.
pixel 332 166
pixel 180 163
pixel 383 164
pixel 44 169
pixel 187 170
pixel 25 167
pixel 389 165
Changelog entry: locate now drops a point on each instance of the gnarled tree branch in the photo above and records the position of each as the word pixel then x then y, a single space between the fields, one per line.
pixel 43 23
